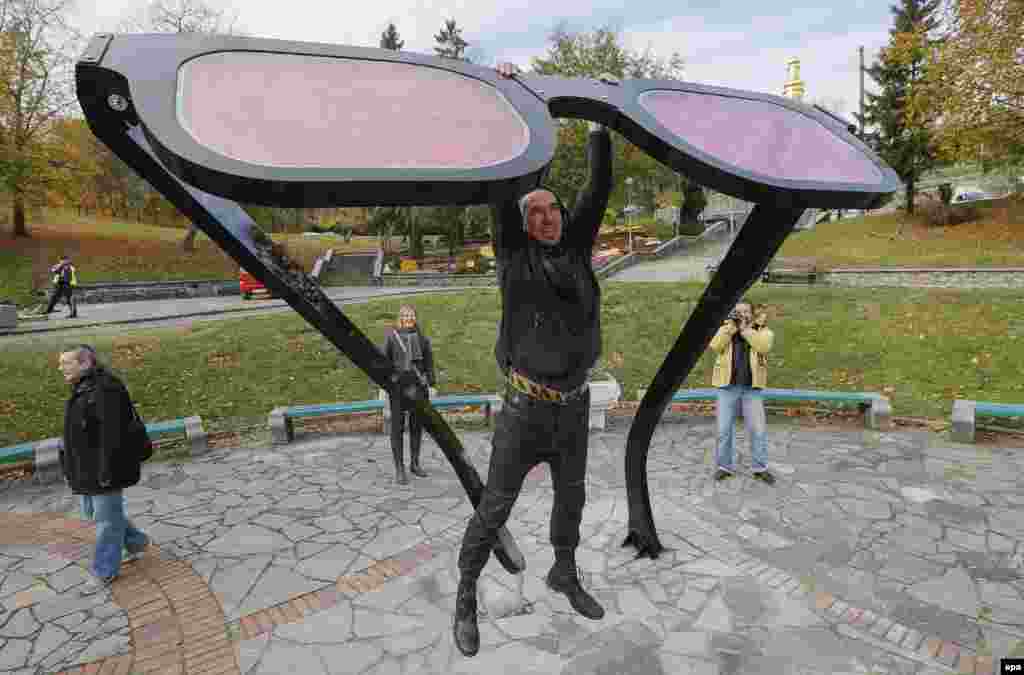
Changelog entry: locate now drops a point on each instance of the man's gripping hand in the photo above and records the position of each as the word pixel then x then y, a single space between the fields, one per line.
pixel 508 69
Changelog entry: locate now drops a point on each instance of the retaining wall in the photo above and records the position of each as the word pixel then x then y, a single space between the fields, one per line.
pixel 1007 277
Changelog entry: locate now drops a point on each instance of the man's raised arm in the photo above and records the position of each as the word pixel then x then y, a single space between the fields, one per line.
pixel 590 207
pixel 507 233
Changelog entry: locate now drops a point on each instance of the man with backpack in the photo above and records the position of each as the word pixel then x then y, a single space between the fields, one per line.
pixel 65 280
pixel 102 454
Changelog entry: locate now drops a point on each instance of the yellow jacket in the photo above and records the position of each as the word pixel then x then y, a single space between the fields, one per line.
pixel 760 341
pixel 73 279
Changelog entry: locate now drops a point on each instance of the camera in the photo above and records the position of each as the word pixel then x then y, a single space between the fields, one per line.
pixel 734 316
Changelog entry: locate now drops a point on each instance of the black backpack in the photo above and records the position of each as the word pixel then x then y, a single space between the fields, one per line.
pixel 137 434
pixel 137 437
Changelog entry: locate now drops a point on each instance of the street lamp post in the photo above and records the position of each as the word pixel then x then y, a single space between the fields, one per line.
pixel 629 212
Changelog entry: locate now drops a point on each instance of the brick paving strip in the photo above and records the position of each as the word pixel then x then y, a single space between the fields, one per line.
pixel 861 624
pixel 376 575
pixel 177 625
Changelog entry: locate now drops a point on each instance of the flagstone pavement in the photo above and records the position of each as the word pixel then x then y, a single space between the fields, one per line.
pixel 873 553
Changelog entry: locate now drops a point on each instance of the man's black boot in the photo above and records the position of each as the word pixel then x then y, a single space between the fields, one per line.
pixel 400 476
pixel 564 578
pixel 465 629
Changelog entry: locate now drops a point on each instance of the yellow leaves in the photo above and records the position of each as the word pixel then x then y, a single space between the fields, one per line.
pixel 975 68
pixel 225 360
pixel 130 352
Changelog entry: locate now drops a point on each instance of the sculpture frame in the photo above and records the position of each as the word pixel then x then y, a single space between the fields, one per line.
pixel 146 63
pixel 126 86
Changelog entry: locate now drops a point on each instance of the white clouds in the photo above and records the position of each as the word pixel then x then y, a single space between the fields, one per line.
pixel 720 46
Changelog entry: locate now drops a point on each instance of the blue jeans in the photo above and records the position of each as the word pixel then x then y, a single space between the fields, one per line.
pixel 729 400
pixel 113 531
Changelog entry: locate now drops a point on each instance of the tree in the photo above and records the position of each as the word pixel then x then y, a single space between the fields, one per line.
pixel 389 38
pixel 182 16
pixel 973 86
pixel 573 54
pixel 694 201
pixel 36 48
pixel 450 42
pixel 904 138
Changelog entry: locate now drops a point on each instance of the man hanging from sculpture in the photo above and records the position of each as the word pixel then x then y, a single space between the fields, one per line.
pixel 548 340
pixel 409 349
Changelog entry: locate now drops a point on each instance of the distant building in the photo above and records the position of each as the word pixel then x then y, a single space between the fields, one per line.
pixel 794 86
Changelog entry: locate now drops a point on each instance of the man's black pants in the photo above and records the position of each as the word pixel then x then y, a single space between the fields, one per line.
pixel 62 291
pixel 529 431
pixel 398 414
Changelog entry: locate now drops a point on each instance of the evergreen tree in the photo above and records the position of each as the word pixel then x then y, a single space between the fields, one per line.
pixel 450 42
pixel 902 139
pixel 389 38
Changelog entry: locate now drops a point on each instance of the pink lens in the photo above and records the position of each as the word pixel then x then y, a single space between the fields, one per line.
pixel 760 137
pixel 312 112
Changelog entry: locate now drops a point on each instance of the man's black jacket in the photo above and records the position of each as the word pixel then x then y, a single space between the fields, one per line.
pixel 551 302
pixel 95 436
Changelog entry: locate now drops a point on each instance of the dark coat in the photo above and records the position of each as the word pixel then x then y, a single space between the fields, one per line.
pixel 95 458
pixel 400 356
pixel 550 327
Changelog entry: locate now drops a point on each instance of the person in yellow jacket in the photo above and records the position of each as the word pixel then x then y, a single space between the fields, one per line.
pixel 64 282
pixel 741 373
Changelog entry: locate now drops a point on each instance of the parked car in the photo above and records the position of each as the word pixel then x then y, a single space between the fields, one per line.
pixel 970 196
pixel 248 284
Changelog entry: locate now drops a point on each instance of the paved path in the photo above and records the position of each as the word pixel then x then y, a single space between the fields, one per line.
pixel 160 311
pixel 884 553
pixel 687 265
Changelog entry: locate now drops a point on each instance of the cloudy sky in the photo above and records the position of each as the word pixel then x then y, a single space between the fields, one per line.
pixel 721 43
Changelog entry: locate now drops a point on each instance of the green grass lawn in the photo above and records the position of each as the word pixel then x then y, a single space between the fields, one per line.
pixel 894 239
pixel 922 348
pixel 108 250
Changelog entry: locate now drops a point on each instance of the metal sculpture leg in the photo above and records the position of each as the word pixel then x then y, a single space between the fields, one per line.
pixel 762 235
pixel 231 228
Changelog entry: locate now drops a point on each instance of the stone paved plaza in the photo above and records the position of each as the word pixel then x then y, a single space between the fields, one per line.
pixel 874 552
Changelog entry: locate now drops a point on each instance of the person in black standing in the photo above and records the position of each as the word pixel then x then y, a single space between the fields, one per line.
pixel 409 349
pixel 65 279
pixel 97 459
pixel 548 340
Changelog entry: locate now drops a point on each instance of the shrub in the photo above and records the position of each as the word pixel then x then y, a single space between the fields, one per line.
pixel 936 214
pixel 664 231
pixel 691 229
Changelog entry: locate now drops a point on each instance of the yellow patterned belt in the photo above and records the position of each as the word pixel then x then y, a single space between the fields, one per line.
pixel 527 386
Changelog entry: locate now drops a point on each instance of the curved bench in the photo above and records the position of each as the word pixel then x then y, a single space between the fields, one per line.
pixel 282 431
pixel 965 411
pixel 45 454
pixel 879 410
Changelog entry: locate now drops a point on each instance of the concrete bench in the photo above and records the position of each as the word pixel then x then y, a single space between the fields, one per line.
pixel 280 421
pixel 282 431
pixel 491 402
pixel 965 411
pixel 879 410
pixel 603 395
pixel 45 454
pixel 791 270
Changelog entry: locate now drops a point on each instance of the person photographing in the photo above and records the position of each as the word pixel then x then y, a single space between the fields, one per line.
pixel 741 346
